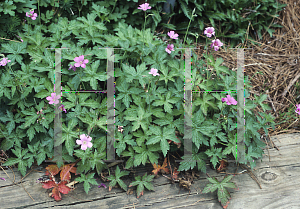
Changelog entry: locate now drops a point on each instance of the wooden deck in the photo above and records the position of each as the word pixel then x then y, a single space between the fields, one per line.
pixel 279 179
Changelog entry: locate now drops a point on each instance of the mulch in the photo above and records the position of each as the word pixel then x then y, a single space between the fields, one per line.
pixel 277 59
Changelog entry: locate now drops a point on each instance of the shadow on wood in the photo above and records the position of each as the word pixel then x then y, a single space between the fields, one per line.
pixel 278 178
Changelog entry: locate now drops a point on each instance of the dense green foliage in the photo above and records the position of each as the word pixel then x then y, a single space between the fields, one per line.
pixel 149 118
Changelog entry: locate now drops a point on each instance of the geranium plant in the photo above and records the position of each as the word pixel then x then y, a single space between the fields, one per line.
pixel 149 98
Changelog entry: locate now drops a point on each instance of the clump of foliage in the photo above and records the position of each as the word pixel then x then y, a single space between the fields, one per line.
pixel 149 108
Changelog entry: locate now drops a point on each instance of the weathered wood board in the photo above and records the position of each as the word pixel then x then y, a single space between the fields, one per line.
pixel 279 179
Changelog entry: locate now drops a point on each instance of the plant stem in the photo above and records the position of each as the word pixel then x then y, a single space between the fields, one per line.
pixel 188 27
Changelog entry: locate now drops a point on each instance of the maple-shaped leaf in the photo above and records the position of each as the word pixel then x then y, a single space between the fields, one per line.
pixel 58 188
pixel 157 168
pixel 141 183
pixel 63 188
pixel 66 171
pixel 223 194
pixel 117 179
pixel 52 169
pixel 56 194
pixel 49 184
pixel 175 174
pixel 164 165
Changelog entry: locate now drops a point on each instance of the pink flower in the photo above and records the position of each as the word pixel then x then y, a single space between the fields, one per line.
pixel 216 44
pixel 229 100
pixel 31 14
pixel 85 141
pixel 72 67
pixel 80 61
pixel 62 108
pixel 153 72
pixel 53 99
pixel 170 48
pixel 4 62
pixel 298 109
pixel 209 31
pixel 3 179
pixel 144 7
pixel 173 35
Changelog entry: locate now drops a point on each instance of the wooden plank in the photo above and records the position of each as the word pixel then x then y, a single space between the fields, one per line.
pixel 278 178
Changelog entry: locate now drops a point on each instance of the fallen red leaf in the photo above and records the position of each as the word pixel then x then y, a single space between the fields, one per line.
pixel 65 176
pixel 157 168
pixel 164 165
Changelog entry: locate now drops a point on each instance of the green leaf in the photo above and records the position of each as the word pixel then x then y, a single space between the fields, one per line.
pixel 141 183
pixel 30 120
pixel 116 179
pixel 185 9
pixel 31 132
pixel 223 194
pixel 76 81
pixel 42 94
pixel 87 179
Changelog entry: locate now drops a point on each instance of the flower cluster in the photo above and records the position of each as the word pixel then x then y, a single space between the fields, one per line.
pixel 210 31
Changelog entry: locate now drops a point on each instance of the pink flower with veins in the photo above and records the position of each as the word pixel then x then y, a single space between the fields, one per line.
pixel 31 14
pixel 53 99
pixel 173 35
pixel 216 44
pixel 80 61
pixel 144 7
pixel 209 31
pixel 85 141
pixel 153 72
pixel 229 100
pixel 170 48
